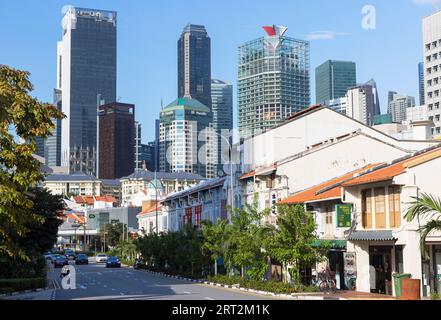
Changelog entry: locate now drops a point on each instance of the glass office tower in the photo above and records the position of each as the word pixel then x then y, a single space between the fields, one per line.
pixel 273 80
pixel 333 79
pixel 222 107
pixel 194 64
pixel 87 74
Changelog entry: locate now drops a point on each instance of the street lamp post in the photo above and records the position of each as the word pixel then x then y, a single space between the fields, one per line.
pixel 231 168
pixel 75 226
pixel 156 201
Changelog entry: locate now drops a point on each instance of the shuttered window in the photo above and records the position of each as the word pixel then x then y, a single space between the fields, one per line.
pixel 380 208
pixel 366 215
pixel 394 206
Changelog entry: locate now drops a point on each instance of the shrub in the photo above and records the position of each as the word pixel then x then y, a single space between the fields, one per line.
pixel 11 285
pixel 435 296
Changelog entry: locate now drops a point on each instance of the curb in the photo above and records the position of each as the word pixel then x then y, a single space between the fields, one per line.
pixel 294 296
pixel 15 293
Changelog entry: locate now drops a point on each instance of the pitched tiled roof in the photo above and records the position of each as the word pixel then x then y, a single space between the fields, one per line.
pixel 258 172
pixel 150 209
pixel 395 169
pixel 326 190
pixel 91 199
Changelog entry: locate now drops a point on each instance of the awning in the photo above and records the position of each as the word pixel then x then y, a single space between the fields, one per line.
pixel 333 244
pixel 377 235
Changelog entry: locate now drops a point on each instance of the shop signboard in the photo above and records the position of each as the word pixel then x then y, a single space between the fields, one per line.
pixel 344 212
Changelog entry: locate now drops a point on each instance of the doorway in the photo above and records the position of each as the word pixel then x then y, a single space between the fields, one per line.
pixel 380 258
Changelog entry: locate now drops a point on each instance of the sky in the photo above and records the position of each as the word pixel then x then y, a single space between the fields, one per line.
pixel 148 31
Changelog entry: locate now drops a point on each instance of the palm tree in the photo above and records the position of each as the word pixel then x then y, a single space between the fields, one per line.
pixel 425 208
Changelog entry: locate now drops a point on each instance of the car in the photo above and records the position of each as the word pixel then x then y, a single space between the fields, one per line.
pixel 102 257
pixel 60 261
pixel 70 254
pixel 113 262
pixel 82 259
pixel 49 257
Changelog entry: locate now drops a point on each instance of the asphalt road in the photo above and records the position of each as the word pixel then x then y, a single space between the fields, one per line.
pixel 96 282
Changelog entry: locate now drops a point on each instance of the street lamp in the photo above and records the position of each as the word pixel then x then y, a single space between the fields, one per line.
pixel 75 226
pixel 156 200
pixel 231 167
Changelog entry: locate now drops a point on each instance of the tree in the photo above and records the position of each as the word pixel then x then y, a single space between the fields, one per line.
pixel 19 170
pixel 244 245
pixel 114 233
pixel 292 241
pixel 39 239
pixel 425 209
pixel 215 239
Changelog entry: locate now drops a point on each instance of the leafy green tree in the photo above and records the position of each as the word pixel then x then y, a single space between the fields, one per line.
pixel 427 210
pixel 244 246
pixel 292 242
pixel 114 233
pixel 39 239
pixel 19 170
pixel 127 250
pixel 215 239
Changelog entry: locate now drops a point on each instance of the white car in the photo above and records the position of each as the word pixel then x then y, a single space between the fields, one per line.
pixel 101 258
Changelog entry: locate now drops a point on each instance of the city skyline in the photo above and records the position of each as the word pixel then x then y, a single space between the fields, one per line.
pixel 146 75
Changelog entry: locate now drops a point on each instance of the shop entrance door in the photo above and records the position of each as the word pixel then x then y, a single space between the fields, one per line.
pixel 437 261
pixel 380 259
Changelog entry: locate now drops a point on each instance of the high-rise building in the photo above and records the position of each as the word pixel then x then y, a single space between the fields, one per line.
pixel 273 80
pixel 361 104
pixel 137 148
pixel 87 78
pixel 333 79
pixel 194 64
pixel 339 104
pixel 432 69
pixel 371 83
pixel 222 107
pixel 186 142
pixel 421 82
pixel 116 140
pixel 398 105
pixel 53 142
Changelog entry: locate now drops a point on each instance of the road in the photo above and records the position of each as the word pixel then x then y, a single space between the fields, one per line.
pixel 96 282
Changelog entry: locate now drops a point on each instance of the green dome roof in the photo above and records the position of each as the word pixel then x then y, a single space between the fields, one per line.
pixel 187 103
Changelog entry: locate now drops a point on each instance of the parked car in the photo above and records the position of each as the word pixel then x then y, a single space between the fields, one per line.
pixel 49 257
pixel 60 261
pixel 82 259
pixel 102 257
pixel 70 254
pixel 113 262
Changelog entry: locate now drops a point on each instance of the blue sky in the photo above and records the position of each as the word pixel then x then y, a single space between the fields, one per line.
pixel 148 31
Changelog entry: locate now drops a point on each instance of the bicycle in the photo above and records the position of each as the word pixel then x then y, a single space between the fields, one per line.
pixel 325 282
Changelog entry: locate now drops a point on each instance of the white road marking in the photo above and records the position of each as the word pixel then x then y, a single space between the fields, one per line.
pixel 209 298
pixel 186 292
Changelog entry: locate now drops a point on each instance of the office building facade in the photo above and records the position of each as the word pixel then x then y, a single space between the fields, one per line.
pixel 116 140
pixel 87 78
pixel 361 104
pixel 222 108
pixel 186 142
pixel 273 80
pixel 52 147
pixel 333 79
pixel 194 64
pixel 398 105
pixel 432 68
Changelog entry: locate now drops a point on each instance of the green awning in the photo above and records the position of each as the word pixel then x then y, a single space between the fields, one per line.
pixel 333 244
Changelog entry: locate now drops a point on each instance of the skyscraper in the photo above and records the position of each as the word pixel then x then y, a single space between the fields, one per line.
pixel 361 104
pixel 52 146
pixel 137 149
pixel 222 107
pixel 333 79
pixel 397 107
pixel 116 140
pixel 186 142
pixel 432 69
pixel 273 80
pixel 373 87
pixel 87 77
pixel 194 64
pixel 421 82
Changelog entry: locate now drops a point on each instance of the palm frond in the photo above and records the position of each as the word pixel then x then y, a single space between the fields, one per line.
pixel 429 227
pixel 426 206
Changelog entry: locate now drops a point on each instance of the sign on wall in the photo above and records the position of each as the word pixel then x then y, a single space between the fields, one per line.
pixel 344 212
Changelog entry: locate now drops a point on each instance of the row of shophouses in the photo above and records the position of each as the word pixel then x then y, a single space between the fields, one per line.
pixel 357 181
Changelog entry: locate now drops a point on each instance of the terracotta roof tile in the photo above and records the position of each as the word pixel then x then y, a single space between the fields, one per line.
pixel 326 190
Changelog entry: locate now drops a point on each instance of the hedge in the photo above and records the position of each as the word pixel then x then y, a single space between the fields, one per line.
pixel 12 285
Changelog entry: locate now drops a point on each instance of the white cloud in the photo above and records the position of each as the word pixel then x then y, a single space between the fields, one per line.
pixel 325 35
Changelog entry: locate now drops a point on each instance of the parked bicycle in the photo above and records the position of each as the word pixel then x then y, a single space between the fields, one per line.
pixel 325 281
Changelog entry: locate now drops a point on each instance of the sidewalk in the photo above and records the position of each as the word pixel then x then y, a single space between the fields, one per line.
pixel 354 295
